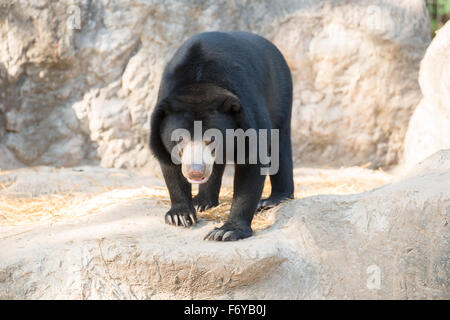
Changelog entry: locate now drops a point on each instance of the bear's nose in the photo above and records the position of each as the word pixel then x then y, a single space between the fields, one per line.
pixel 196 171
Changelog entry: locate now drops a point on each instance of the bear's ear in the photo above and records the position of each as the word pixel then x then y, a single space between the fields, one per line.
pixel 231 104
pixel 161 109
pixel 158 114
pixel 156 144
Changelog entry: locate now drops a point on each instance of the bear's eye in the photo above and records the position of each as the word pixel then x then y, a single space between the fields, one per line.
pixel 209 140
pixel 180 139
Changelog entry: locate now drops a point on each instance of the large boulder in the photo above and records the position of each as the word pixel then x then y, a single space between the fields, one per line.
pixel 7 158
pixel 82 76
pixel 388 243
pixel 429 127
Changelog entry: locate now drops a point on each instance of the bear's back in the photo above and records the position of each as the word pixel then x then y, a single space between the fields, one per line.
pixel 244 63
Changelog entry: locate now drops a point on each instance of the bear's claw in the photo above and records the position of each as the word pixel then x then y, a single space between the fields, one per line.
pixel 202 204
pixel 180 218
pixel 268 203
pixel 229 232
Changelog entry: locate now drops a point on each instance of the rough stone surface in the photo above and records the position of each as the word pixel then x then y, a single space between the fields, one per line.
pixel 79 78
pixel 429 127
pixel 388 243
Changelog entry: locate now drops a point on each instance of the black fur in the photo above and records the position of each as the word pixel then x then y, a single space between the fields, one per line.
pixel 227 80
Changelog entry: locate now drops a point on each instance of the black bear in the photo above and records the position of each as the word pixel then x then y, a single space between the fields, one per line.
pixel 223 81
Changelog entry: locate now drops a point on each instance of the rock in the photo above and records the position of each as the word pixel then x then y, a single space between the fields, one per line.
pixel 82 77
pixel 355 66
pixel 429 127
pixel 387 243
pixel 7 159
pixel 438 162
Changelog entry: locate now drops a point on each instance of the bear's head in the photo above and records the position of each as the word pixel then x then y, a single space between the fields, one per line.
pixel 188 128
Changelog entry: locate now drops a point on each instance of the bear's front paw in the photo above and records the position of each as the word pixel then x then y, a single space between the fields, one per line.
pixel 181 216
pixel 230 231
pixel 203 204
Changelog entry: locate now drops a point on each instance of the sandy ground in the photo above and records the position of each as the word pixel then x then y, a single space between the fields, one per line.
pixel 47 195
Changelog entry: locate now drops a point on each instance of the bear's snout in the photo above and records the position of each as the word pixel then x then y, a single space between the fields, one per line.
pixel 196 171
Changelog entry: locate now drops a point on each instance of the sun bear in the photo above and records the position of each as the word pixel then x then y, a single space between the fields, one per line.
pixel 223 98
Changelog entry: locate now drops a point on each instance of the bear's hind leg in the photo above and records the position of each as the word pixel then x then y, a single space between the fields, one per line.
pixel 283 181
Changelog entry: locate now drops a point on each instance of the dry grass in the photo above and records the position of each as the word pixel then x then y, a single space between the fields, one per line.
pixel 58 207
pixel 22 210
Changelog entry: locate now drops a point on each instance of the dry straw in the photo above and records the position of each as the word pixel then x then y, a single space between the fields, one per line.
pixel 22 209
